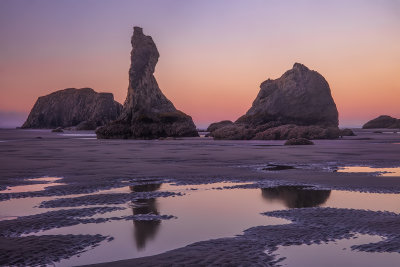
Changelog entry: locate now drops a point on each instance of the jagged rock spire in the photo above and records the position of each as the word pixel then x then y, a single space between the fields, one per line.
pixel 147 112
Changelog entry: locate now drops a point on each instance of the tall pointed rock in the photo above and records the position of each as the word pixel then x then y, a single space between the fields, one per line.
pixel 147 112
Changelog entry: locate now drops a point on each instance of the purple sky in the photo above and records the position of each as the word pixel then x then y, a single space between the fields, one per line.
pixel 214 53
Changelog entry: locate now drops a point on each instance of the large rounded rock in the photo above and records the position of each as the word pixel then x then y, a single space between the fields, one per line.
pixel 383 121
pixel 300 96
pixel 70 107
pixel 147 113
pixel 299 104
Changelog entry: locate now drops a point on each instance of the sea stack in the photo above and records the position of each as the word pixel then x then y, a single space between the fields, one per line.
pixel 71 107
pixel 147 113
pixel 300 96
pixel 299 104
pixel 383 121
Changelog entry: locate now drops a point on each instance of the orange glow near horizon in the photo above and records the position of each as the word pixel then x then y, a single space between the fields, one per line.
pixel 210 67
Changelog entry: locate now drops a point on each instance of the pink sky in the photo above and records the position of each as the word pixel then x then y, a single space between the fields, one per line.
pixel 214 54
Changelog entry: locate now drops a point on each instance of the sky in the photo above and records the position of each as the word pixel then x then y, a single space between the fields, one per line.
pixel 214 54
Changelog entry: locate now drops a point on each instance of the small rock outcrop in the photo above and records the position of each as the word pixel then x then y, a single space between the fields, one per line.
pixel 298 142
pixel 347 132
pixel 299 104
pixel 216 125
pixel 57 130
pixel 147 113
pixel 70 107
pixel 289 131
pixel 383 121
pixel 233 132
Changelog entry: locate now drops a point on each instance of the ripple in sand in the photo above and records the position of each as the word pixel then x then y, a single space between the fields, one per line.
pixel 338 253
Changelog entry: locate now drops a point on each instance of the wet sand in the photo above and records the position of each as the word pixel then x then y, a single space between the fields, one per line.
pixel 92 164
pixel 88 165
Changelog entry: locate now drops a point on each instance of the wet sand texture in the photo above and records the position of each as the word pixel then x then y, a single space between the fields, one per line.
pixel 88 166
pixel 257 245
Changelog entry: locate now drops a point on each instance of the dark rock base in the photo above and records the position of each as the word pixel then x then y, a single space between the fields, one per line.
pixel 154 126
pixel 270 131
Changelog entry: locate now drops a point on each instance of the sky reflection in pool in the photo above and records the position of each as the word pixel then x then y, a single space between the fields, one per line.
pixel 78 134
pixel 48 181
pixel 395 171
pixel 339 253
pixel 203 213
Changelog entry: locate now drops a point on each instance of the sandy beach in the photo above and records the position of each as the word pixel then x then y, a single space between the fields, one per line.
pixel 93 164
pixel 89 169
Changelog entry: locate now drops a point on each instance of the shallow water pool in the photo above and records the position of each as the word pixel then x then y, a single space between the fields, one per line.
pixel 47 182
pixel 203 212
pixel 393 171
pixel 338 253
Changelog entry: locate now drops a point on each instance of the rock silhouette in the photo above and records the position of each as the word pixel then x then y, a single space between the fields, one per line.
pixel 299 104
pixel 300 96
pixel 383 121
pixel 147 113
pixel 296 196
pixel 147 229
pixel 70 107
pixel 298 142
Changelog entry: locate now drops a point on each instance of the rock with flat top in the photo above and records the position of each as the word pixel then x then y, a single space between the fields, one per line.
pixel 70 107
pixel 383 121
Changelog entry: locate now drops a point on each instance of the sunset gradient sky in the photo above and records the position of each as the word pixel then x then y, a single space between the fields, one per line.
pixel 214 53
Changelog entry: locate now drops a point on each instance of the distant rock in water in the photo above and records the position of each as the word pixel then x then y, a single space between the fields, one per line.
pixel 147 113
pixel 70 107
pixel 299 104
pixel 383 121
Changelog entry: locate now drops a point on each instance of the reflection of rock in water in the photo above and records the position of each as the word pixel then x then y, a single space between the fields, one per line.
pixel 145 230
pixel 274 167
pixel 296 196
pixel 145 187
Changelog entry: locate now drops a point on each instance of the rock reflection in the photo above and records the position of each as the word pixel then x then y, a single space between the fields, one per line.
pixel 275 167
pixel 296 196
pixel 145 230
pixel 145 187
